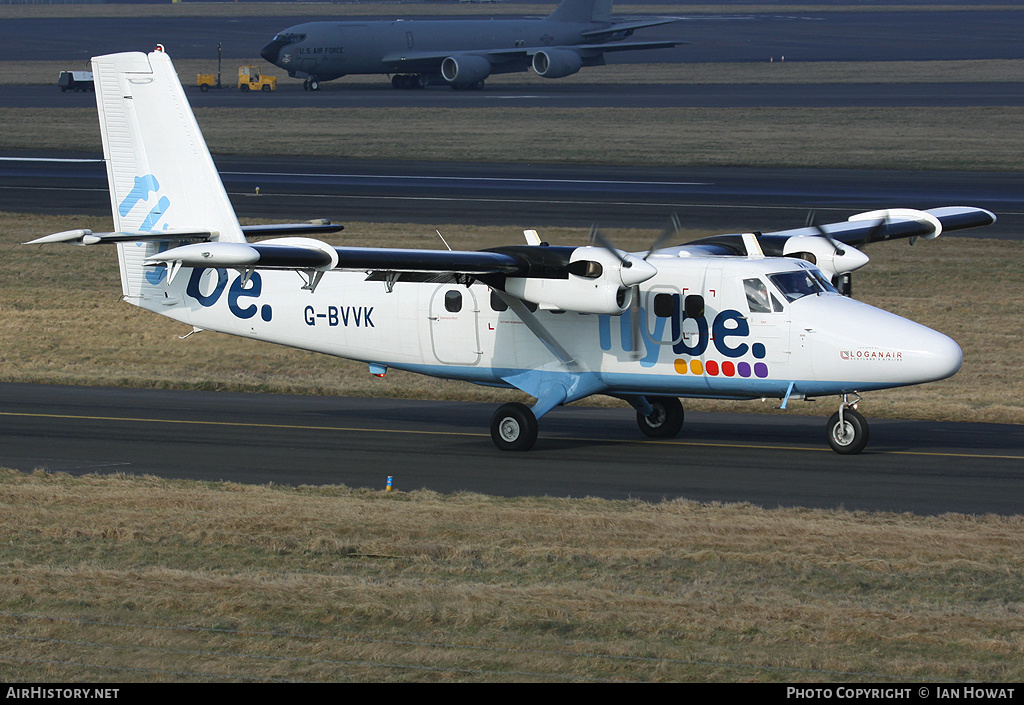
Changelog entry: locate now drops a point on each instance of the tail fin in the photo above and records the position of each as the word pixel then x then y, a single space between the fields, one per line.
pixel 159 170
pixel 583 11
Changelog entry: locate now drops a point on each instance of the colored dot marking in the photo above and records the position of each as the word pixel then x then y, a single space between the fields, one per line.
pixel 761 370
pixel 681 366
pixel 758 350
pixel 728 369
pixel 744 369
pixel 266 313
pixel 696 367
pixel 711 368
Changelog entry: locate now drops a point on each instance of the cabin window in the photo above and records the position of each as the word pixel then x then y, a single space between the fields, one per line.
pixel 453 301
pixel 497 303
pixel 664 305
pixel 757 296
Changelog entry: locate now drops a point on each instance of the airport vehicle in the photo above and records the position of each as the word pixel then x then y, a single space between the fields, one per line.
pixel 77 81
pixel 739 316
pixel 250 79
pixel 459 52
pixel 206 81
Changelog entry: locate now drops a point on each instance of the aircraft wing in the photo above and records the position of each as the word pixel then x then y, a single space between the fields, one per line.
pixel 424 61
pixel 861 229
pixel 630 26
pixel 896 224
pixel 412 260
pixel 622 46
pixel 301 253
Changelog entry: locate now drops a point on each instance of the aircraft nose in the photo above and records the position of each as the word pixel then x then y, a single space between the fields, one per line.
pixel 939 358
pixel 270 52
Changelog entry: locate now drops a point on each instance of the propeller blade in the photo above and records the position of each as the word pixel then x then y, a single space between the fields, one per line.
pixel 634 323
pixel 598 238
pixel 669 232
pixel 811 223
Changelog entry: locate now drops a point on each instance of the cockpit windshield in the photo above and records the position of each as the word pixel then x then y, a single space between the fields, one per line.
pixel 803 282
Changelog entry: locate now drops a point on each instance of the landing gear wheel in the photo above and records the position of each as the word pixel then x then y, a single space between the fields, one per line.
pixel 314 85
pixel 666 419
pixel 514 427
pixel 850 436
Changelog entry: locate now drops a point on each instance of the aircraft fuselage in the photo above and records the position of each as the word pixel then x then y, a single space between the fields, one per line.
pixel 329 50
pixel 820 343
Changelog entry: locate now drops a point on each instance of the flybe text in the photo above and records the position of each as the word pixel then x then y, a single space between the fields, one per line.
pixel 358 316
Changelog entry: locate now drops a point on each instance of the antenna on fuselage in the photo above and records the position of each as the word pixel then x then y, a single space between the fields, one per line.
pixel 443 240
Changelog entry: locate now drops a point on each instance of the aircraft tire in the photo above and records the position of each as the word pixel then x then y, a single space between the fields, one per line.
pixel 514 427
pixel 665 422
pixel 314 85
pixel 849 438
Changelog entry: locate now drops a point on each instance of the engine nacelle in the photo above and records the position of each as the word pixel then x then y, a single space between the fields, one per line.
pixel 597 283
pixel 556 63
pixel 831 258
pixel 465 69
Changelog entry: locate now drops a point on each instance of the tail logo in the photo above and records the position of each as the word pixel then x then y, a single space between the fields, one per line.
pixel 144 186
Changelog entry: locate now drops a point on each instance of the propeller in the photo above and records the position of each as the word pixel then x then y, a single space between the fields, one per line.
pixel 669 232
pixel 811 223
pixel 843 280
pixel 634 279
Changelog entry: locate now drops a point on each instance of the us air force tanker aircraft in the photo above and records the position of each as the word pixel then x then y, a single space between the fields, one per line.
pixel 740 316
pixel 460 53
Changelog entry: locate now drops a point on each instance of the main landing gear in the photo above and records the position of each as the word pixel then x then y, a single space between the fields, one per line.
pixel 847 430
pixel 407 81
pixel 664 421
pixel 514 426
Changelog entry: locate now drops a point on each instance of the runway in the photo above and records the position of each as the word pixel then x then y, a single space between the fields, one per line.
pixel 777 459
pixel 726 199
pixel 552 94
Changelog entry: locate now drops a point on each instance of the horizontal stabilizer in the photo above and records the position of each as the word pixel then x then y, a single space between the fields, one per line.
pixel 88 237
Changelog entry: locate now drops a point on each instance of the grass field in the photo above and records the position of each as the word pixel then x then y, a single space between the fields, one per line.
pixel 870 138
pixel 115 579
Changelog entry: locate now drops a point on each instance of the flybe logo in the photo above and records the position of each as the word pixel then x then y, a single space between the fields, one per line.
pixel 144 186
pixel 239 293
pixel 726 336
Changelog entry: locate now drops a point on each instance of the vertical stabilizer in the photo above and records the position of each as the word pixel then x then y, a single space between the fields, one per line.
pixel 159 171
pixel 583 11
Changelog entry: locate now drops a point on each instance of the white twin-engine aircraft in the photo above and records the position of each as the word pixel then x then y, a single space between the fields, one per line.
pixel 728 317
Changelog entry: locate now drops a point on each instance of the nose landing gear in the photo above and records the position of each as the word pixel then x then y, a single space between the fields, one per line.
pixel 847 430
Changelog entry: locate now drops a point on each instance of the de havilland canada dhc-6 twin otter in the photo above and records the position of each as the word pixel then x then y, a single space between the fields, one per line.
pixel 741 316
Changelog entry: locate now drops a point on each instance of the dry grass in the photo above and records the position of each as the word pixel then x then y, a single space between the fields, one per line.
pixel 61 321
pixel 152 580
pixel 871 138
